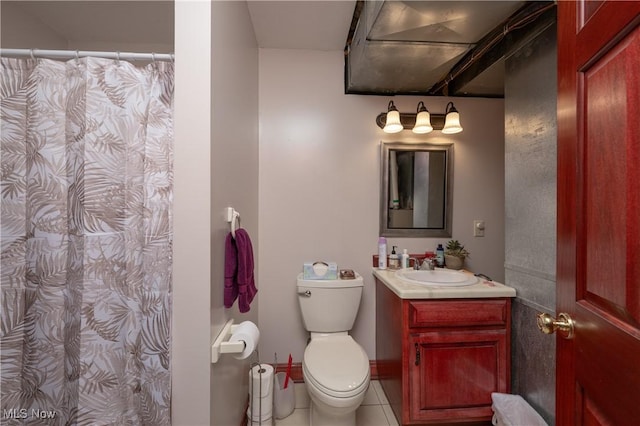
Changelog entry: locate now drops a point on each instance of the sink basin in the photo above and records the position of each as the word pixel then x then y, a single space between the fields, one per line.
pixel 437 277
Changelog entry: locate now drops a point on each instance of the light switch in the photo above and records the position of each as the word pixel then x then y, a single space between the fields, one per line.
pixel 478 228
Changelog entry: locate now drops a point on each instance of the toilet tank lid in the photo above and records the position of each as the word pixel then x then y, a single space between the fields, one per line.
pixel 339 283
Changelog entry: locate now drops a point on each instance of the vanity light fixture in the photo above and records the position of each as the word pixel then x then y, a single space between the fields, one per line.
pixel 421 121
pixel 451 120
pixel 392 123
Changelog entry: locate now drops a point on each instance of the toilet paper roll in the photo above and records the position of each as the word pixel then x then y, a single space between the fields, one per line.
pixel 260 392
pixel 261 380
pixel 248 333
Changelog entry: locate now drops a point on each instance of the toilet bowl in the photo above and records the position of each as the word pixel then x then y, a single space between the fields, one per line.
pixel 336 374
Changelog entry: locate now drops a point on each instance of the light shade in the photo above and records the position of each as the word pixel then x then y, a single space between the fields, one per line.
pixel 452 120
pixel 393 124
pixel 423 120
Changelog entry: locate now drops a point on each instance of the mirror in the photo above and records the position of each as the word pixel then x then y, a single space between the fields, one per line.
pixel 416 190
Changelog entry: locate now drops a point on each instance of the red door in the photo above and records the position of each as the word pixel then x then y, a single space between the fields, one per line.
pixel 598 271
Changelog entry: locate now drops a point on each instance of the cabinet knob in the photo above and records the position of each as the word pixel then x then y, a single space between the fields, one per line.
pixel 417 354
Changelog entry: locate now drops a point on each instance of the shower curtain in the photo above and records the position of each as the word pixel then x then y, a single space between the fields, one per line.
pixel 86 235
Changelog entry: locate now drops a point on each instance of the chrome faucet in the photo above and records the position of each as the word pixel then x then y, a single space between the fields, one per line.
pixel 429 263
pixel 416 263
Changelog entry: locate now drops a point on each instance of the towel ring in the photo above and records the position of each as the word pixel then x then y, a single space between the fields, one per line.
pixel 233 217
pixel 235 223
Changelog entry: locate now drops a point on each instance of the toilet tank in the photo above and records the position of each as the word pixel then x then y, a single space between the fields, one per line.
pixel 329 306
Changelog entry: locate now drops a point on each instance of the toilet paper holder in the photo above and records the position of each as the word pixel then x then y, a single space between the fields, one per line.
pixel 220 346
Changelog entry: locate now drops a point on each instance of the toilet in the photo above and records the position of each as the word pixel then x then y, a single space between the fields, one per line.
pixel 335 367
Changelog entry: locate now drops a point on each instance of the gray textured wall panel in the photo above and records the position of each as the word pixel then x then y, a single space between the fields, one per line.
pixel 530 213
pixel 536 290
pixel 530 155
pixel 534 361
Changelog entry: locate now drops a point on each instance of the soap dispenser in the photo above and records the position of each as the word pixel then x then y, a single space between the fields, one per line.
pixel 394 259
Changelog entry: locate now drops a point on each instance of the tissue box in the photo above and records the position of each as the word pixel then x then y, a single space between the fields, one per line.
pixel 320 271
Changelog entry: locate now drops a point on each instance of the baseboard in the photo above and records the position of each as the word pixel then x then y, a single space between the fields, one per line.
pixel 296 370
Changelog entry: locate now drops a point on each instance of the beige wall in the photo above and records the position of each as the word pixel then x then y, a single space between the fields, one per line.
pixel 319 186
pixel 216 167
pixel 29 25
pixel 191 330
pixel 234 182
pixel 22 31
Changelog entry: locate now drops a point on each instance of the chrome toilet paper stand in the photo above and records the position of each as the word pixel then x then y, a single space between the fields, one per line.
pixel 252 422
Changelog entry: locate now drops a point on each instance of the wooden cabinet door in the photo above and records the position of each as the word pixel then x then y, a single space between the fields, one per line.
pixel 598 272
pixel 452 374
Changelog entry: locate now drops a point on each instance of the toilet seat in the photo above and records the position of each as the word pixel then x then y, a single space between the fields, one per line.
pixel 337 366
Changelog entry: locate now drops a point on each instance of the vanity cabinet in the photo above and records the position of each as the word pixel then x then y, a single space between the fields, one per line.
pixel 440 359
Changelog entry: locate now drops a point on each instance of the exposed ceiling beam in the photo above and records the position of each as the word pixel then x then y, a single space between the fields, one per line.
pixel 531 18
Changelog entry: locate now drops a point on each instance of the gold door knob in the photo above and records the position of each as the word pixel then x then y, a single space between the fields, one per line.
pixel 564 324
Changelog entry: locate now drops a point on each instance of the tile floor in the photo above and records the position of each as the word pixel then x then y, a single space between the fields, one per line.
pixel 374 411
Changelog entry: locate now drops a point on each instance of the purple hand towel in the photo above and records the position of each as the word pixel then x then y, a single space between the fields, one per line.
pixel 239 281
pixel 246 282
pixel 230 271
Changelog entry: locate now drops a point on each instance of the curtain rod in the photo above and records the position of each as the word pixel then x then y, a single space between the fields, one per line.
pixel 70 54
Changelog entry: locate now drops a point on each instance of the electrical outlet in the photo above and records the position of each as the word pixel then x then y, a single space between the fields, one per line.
pixel 478 228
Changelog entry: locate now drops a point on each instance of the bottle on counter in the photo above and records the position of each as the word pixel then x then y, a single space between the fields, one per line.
pixel 394 259
pixel 404 261
pixel 440 256
pixel 382 253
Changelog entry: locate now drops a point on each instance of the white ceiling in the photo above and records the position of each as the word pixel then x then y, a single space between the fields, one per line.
pixel 103 21
pixel 317 25
pixel 320 25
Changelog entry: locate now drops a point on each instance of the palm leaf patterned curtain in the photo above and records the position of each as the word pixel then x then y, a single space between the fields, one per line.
pixel 86 235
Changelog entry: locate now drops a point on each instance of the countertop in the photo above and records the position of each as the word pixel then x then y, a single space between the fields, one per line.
pixel 407 290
